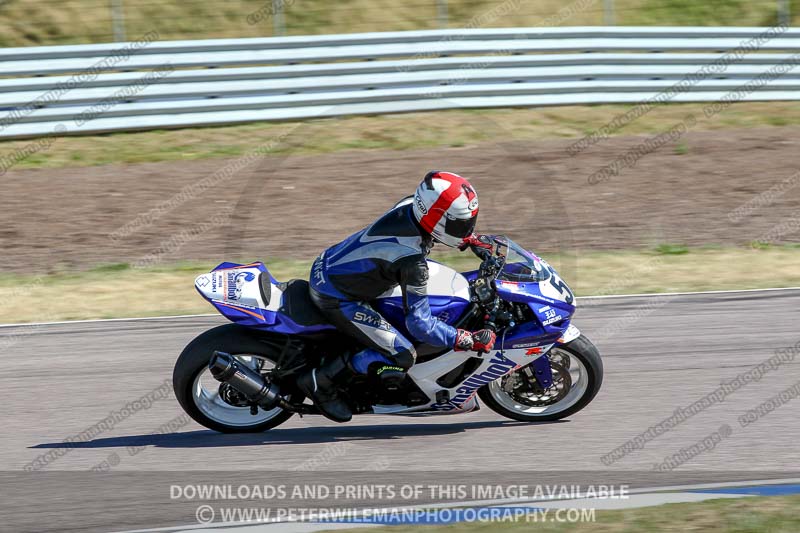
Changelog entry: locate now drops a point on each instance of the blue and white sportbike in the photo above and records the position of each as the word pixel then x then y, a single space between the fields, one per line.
pixel 241 377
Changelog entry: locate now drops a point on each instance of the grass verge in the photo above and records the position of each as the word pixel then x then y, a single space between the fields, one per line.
pixel 114 291
pixel 777 514
pixel 454 128
pixel 28 22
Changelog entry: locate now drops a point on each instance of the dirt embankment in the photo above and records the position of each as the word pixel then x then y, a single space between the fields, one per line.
pixel 296 206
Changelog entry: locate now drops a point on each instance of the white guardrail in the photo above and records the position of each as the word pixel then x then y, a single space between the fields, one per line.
pixel 150 84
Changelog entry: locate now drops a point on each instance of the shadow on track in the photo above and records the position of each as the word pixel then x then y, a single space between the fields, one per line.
pixel 308 435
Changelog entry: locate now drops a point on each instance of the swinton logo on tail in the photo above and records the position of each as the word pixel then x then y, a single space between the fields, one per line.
pixel 235 283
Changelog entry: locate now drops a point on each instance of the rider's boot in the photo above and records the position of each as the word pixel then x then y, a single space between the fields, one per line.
pixel 320 385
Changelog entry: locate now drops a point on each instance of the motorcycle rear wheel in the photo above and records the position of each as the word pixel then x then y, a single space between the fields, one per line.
pixel 204 399
pixel 577 377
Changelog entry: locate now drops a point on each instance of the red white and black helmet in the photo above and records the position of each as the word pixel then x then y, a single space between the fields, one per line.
pixel 446 206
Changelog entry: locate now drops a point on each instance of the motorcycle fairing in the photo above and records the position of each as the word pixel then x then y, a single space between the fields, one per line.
pixel 552 304
pixel 551 313
pixel 571 333
pixel 520 346
pixel 238 293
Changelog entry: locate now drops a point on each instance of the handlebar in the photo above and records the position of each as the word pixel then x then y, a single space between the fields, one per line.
pixel 483 288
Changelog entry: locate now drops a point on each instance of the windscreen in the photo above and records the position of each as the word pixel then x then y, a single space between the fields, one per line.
pixel 520 264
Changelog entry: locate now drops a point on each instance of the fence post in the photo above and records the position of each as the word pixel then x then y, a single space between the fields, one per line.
pixel 118 20
pixel 784 13
pixel 441 13
pixel 278 23
pixel 608 13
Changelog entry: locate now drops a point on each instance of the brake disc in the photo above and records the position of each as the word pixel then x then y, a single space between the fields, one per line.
pixel 523 387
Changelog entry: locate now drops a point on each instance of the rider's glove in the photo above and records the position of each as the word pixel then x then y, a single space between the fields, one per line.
pixel 477 240
pixel 483 340
pixel 479 341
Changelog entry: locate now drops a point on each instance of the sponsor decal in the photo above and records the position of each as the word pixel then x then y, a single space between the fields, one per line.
pixel 498 367
pixel 203 281
pixel 513 286
pixel 551 320
pixel 526 345
pixel 420 204
pixel 371 320
pixel 543 309
pixel 388 368
pixel 235 281
pixel 534 351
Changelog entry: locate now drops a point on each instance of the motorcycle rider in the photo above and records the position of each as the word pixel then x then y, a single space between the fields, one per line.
pixel 390 252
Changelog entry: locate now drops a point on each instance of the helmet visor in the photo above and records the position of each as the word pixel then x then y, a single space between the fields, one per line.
pixel 460 227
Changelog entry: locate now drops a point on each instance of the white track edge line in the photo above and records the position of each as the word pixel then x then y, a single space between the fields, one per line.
pixel 690 293
pixel 102 320
pixel 643 490
pixel 598 297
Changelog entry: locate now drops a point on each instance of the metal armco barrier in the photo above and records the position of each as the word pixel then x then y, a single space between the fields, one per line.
pixel 150 84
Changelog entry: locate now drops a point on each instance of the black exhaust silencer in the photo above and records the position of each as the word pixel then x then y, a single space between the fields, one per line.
pixel 244 379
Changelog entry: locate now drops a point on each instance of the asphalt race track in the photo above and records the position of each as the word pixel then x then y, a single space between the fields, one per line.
pixel 660 353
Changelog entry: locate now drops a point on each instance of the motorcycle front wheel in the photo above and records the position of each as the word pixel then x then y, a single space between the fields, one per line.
pixel 577 377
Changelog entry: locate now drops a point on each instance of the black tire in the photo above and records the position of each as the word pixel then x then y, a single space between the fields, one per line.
pixel 581 348
pixel 230 338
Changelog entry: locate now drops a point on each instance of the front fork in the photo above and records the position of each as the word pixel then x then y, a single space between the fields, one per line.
pixel 542 371
pixel 541 366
